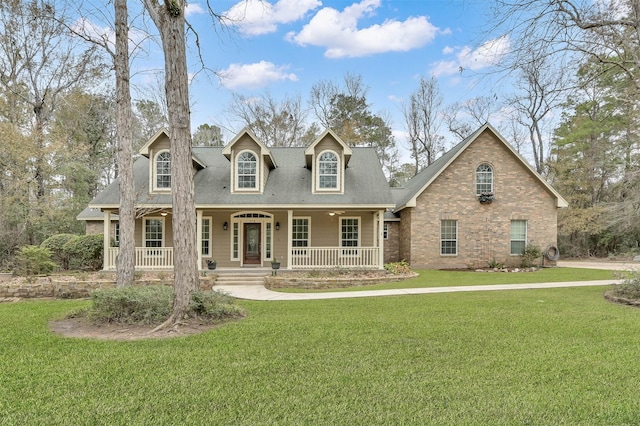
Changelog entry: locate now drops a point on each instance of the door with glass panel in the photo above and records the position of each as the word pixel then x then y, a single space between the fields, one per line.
pixel 252 243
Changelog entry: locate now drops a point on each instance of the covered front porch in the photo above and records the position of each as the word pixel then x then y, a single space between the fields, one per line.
pixel 312 258
pixel 297 239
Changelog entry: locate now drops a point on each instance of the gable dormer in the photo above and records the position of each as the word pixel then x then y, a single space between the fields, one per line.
pixel 327 158
pixel 251 162
pixel 158 151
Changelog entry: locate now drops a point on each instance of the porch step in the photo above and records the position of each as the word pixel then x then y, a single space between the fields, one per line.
pixel 241 278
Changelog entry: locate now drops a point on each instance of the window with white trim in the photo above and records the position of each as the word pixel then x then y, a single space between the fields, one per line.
pixel 163 170
pixel 154 235
pixel 484 179
pixel 518 237
pixel 236 241
pixel 350 234
pixel 116 234
pixel 385 231
pixel 328 171
pixel 206 236
pixel 448 237
pixel 246 170
pixel 300 235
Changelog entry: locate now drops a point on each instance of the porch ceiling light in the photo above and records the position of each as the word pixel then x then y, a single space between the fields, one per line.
pixel 163 214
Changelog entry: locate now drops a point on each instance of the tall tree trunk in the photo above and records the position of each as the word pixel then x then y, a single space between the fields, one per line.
pixel 169 19
pixel 125 265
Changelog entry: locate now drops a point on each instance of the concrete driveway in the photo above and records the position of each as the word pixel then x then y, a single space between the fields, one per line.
pixel 600 264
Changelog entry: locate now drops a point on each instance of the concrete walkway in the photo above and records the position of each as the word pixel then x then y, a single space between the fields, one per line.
pixel 259 292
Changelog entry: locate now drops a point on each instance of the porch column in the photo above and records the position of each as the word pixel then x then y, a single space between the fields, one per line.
pixel 289 236
pixel 199 236
pixel 381 239
pixel 106 227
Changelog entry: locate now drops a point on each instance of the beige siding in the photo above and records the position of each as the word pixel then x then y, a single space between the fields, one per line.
pixel 328 143
pixel 483 229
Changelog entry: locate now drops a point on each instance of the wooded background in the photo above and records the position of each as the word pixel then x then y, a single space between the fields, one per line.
pixel 573 115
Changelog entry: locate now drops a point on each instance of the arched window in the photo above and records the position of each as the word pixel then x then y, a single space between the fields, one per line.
pixel 247 170
pixel 328 170
pixel 484 179
pixel 163 170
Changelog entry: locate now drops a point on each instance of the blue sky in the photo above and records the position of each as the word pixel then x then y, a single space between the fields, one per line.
pixel 286 46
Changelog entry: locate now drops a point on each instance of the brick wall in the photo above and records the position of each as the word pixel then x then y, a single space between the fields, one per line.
pixel 392 243
pixel 483 229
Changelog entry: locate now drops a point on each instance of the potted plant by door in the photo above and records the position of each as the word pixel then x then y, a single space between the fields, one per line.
pixel 211 264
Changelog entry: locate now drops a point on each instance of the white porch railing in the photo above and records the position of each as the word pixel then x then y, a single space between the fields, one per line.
pixel 301 258
pixel 146 258
pixel 332 257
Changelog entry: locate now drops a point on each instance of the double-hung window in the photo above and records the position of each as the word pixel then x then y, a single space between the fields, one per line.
pixel 449 237
pixel 300 235
pixel 484 179
pixel 247 170
pixel 163 170
pixel 153 235
pixel 328 171
pixel 350 234
pixel 518 237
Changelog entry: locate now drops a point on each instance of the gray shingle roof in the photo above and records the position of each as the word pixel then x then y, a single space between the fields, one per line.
pixel 288 185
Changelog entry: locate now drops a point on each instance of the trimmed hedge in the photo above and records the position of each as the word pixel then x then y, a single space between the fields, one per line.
pixel 85 252
pixel 55 244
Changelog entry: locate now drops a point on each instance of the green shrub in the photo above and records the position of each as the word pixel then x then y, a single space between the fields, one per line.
pixel 85 252
pixel 55 244
pixel 150 305
pixel 398 268
pixel 214 305
pixel 494 264
pixel 33 260
pixel 630 287
pixel 529 255
pixel 132 305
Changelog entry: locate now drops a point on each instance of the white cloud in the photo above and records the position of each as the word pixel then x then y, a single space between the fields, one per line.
pixel 255 17
pixel 253 76
pixel 106 34
pixel 94 31
pixel 448 50
pixel 338 32
pixel 193 9
pixel 486 55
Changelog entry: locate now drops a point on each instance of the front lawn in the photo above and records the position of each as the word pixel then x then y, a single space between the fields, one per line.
pixel 554 356
pixel 448 278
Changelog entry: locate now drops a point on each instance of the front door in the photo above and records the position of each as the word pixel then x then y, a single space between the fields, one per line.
pixel 252 243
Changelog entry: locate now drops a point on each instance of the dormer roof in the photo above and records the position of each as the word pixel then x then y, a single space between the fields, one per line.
pixel 265 152
pixel 144 151
pixel 346 149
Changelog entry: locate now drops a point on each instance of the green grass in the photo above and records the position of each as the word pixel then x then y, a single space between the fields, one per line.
pixel 439 278
pixel 555 356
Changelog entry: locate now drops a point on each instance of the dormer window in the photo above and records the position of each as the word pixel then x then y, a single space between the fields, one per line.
pixel 328 170
pixel 484 179
pixel 246 171
pixel 163 170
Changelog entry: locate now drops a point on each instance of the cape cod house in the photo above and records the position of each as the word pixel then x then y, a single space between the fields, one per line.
pixel 329 206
